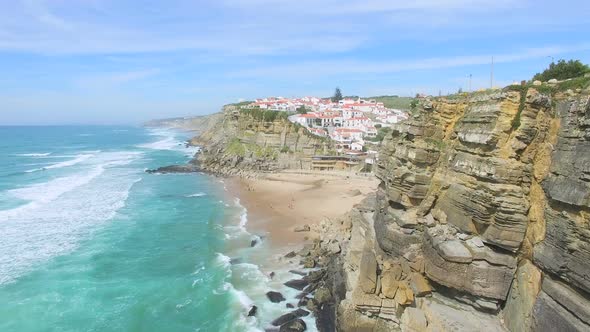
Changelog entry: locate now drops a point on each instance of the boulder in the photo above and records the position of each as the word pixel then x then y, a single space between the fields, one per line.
pixel 298 284
pixel 281 320
pixel 482 272
pixel 290 254
pixel 174 169
pixel 322 295
pixel 537 83
pixel 420 285
pixel 454 251
pixel 296 325
pixel 275 297
pixel 390 283
pixel 252 311
pixel 308 262
pixel 413 320
pixel 333 248
pixel 368 272
pixel 302 228
pixel 552 81
pixel 404 294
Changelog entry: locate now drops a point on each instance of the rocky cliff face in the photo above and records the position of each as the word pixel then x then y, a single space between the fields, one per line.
pixel 242 144
pixel 196 124
pixel 482 217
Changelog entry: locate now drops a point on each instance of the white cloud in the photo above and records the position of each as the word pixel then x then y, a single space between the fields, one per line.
pixel 251 27
pixel 342 67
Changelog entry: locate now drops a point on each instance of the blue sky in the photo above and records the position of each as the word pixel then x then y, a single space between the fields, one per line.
pixel 119 62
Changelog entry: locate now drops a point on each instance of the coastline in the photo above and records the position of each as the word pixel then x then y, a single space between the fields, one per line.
pixel 278 203
pixel 273 206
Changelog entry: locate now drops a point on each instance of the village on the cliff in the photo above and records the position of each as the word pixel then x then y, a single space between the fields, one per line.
pixel 351 123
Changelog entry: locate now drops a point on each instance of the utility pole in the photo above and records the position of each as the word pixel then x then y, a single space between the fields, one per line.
pixel 492 75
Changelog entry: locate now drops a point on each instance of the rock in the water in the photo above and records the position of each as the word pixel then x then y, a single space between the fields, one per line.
pixel 322 295
pixel 174 169
pixel 301 273
pixel 297 325
pixel 290 305
pixel 290 316
pixel 252 311
pixel 298 284
pixel 275 297
pixel 290 254
pixel 253 243
pixel 308 262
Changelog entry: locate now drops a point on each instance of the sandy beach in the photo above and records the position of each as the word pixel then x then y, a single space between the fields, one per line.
pixel 277 203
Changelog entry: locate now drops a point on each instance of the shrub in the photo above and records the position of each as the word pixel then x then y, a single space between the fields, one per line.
pixel 563 70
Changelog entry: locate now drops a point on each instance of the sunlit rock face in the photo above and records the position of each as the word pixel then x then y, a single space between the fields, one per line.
pixel 485 189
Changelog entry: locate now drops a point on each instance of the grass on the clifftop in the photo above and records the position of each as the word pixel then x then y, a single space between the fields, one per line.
pixel 264 115
pixel 396 102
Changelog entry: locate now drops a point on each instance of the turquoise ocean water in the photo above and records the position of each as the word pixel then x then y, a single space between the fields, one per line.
pixel 90 242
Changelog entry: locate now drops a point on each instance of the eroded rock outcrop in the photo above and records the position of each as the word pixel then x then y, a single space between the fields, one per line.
pixel 484 201
pixel 241 143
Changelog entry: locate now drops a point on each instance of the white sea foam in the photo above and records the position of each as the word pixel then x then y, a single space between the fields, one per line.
pixel 169 141
pixel 33 154
pixel 223 260
pixel 201 194
pixel 62 211
pixel 79 158
pixel 243 214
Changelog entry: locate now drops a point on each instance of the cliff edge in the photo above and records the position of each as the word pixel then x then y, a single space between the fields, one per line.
pixel 481 218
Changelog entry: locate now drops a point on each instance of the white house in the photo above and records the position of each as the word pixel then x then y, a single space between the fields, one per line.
pixel 357 122
pixel 348 113
pixel 347 134
pixel 357 146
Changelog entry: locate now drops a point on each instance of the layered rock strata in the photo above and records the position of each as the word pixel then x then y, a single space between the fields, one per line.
pixel 482 215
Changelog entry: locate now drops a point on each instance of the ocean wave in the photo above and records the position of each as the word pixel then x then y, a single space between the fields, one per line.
pixel 201 194
pixel 61 212
pixel 79 158
pixel 243 214
pixel 223 260
pixel 170 142
pixel 33 154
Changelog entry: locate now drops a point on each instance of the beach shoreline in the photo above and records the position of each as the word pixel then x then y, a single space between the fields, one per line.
pixel 278 203
pixel 273 206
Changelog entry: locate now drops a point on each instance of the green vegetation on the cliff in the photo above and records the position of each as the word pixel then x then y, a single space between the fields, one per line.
pixel 563 70
pixel 396 102
pixel 265 115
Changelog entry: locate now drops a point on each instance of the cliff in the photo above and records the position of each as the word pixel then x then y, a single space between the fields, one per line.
pixel 196 124
pixel 246 142
pixel 481 218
